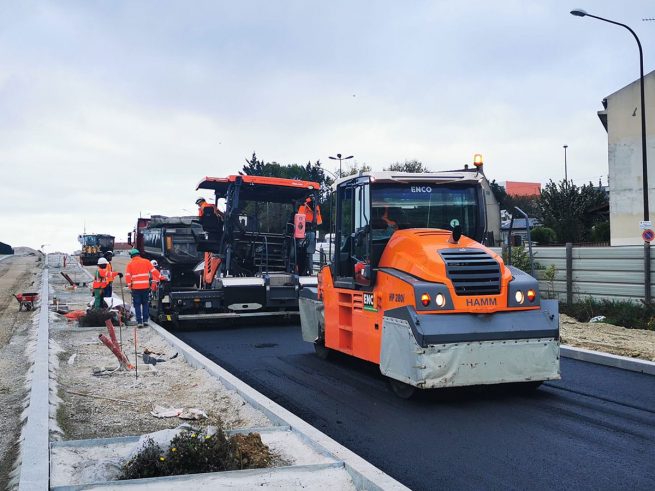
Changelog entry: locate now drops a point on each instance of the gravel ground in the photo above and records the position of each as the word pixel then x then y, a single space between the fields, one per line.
pixel 17 274
pixel 635 343
pixel 119 405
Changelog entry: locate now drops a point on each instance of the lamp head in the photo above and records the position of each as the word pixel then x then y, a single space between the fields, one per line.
pixel 579 12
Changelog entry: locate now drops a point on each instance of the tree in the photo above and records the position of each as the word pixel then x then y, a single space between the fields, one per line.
pixel 499 193
pixel 543 235
pixel 308 172
pixel 569 209
pixel 354 169
pixel 413 165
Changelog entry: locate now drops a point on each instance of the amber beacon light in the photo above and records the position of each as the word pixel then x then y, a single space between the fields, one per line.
pixel 477 160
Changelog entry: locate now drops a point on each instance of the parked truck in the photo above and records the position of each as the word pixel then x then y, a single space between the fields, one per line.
pixel 94 246
pixel 257 254
pixel 413 287
pixel 172 242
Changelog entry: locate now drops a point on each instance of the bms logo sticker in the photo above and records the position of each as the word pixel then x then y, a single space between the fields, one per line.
pixel 369 302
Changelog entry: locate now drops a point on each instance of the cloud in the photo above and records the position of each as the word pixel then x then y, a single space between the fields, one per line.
pixel 114 109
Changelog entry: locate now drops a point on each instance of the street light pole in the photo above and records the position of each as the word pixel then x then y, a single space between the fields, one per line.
pixel 582 13
pixel 566 174
pixel 340 158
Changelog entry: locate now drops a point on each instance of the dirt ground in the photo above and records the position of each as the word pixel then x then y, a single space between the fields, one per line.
pixel 20 273
pixel 95 406
pixel 635 343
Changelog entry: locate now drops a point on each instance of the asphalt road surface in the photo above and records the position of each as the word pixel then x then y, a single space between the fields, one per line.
pixel 595 429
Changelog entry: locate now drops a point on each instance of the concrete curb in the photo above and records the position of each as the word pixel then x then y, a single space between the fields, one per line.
pixel 34 470
pixel 607 359
pixel 364 474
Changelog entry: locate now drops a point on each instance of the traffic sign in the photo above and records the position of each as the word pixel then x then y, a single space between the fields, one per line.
pixel 645 224
pixel 648 235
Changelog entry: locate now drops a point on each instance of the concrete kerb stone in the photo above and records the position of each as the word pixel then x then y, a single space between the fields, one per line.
pixel 607 359
pixel 34 471
pixel 364 474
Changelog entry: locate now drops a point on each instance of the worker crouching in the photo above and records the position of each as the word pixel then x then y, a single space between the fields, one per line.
pixel 140 274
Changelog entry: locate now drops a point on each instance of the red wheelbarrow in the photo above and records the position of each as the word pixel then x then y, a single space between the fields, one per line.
pixel 26 300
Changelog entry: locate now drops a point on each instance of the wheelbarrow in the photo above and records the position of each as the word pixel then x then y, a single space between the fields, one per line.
pixel 26 300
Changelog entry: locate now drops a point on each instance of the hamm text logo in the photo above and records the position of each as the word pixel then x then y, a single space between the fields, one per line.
pixel 480 302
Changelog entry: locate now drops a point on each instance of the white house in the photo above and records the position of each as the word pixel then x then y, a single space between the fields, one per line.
pixel 622 120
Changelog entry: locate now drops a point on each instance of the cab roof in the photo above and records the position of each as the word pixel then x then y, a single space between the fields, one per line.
pixel 444 177
pixel 262 188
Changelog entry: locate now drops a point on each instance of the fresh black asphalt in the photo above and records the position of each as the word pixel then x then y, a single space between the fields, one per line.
pixel 594 429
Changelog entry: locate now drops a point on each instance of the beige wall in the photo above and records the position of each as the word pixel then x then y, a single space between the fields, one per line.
pixel 625 161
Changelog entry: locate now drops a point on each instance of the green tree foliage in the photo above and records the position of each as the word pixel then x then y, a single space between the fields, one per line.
pixel 308 172
pixel 569 209
pixel 543 235
pixel 355 168
pixel 529 204
pixel 600 232
pixel 499 193
pixel 414 165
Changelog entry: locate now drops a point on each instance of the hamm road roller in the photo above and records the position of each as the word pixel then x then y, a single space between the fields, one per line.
pixel 412 286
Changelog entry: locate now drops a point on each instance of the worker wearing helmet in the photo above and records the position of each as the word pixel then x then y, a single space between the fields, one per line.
pixel 101 280
pixel 139 275
pixel 154 284
pixel 109 255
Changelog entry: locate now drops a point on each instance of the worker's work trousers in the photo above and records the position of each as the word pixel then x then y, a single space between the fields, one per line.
pixel 98 294
pixel 108 290
pixel 140 299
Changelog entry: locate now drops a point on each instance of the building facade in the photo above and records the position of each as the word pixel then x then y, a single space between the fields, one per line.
pixel 622 121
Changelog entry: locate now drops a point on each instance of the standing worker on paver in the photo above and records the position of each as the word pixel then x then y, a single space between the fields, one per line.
pixel 306 264
pixel 101 279
pixel 202 204
pixel 139 275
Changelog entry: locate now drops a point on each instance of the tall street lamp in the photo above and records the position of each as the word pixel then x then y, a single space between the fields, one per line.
pixel 340 158
pixel 582 13
pixel 566 174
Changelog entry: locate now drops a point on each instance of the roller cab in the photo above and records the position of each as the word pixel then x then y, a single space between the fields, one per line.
pixel 412 287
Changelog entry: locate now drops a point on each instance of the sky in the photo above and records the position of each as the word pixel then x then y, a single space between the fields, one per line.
pixel 112 109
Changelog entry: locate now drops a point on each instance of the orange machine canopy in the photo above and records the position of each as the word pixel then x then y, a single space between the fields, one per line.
pixel 262 188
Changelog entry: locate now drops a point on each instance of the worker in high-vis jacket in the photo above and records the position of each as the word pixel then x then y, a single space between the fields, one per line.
pixel 109 255
pixel 139 276
pixel 101 279
pixel 306 261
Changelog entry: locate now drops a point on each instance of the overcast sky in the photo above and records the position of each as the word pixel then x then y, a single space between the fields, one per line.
pixel 110 109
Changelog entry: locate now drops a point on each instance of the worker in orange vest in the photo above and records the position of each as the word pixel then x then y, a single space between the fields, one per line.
pixel 139 276
pixel 109 255
pixel 202 204
pixel 101 279
pixel 306 262
pixel 306 209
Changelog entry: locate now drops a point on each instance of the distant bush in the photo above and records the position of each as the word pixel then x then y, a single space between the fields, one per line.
pixel 196 452
pixel 520 258
pixel 543 235
pixel 618 312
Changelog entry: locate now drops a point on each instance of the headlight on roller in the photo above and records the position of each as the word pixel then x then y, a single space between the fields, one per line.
pixel 440 300
pixel 519 297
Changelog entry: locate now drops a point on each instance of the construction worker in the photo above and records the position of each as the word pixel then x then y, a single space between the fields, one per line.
pixel 306 209
pixel 101 279
pixel 202 204
pixel 305 263
pixel 153 284
pixel 109 255
pixel 139 274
